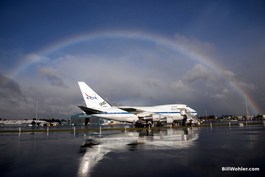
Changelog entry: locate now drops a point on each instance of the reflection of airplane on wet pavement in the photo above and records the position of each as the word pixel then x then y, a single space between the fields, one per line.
pixel 96 147
pixel 140 116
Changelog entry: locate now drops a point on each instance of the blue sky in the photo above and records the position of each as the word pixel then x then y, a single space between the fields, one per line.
pixel 201 53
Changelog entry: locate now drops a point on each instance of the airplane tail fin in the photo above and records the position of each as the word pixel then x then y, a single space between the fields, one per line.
pixel 92 99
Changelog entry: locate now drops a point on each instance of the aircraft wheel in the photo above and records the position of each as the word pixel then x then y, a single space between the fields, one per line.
pixel 138 125
pixel 159 124
pixel 184 122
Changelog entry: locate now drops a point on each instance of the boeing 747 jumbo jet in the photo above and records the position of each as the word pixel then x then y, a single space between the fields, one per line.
pixel 140 116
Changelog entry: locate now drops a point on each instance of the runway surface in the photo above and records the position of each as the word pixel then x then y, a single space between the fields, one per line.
pixel 197 151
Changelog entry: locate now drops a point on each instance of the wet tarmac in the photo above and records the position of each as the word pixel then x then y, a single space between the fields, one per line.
pixel 201 151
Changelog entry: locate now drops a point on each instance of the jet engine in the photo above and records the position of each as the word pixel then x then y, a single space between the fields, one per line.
pixel 153 117
pixel 168 120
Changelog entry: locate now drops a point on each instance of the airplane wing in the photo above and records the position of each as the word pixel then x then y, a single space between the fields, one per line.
pixel 138 112
pixel 131 110
pixel 146 115
pixel 90 110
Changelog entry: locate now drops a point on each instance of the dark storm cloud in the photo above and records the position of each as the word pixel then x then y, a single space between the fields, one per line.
pixel 18 100
pixel 9 88
pixel 11 97
pixel 53 76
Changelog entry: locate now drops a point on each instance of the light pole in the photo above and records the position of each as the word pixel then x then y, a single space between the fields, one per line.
pixel 246 104
pixel 37 110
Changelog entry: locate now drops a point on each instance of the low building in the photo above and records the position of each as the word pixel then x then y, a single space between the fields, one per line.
pixel 21 122
pixel 15 122
pixel 84 119
pixel 64 123
pixel 240 117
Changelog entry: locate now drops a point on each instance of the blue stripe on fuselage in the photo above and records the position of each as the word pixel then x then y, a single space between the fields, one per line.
pixel 153 112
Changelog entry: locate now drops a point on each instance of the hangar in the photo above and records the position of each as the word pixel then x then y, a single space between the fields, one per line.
pixel 84 119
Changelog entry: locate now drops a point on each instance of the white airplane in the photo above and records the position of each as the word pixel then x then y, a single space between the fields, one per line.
pixel 140 116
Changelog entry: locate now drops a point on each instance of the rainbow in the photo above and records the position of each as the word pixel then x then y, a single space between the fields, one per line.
pixel 243 95
pixel 164 41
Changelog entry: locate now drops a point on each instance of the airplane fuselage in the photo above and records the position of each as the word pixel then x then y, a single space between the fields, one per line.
pixel 173 110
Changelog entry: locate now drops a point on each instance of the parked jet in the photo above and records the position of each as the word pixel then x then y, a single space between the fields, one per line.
pixel 140 116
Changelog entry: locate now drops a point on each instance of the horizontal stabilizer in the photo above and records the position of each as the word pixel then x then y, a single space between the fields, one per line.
pixel 90 110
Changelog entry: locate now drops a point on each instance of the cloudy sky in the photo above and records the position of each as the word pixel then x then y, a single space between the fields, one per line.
pixel 209 55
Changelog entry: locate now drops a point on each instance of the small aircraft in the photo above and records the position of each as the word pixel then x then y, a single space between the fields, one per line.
pixel 139 116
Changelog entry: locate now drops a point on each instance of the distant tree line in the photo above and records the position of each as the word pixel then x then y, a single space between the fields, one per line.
pixel 49 120
pixel 259 116
pixel 208 117
pixel 53 120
